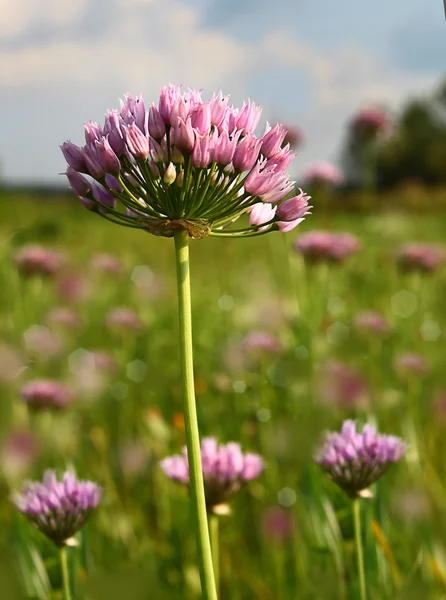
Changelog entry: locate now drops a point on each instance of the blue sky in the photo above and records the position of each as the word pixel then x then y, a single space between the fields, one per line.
pixel 307 62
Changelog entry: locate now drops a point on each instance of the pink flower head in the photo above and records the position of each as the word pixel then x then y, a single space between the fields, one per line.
pixel 46 394
pixel 185 163
pixel 421 257
pixel 124 319
pixel 263 342
pixel 58 509
pixel 354 460
pixel 320 246
pixel 225 470
pixel 63 316
pixel 278 524
pixel 107 263
pixel 411 364
pixel 294 136
pixel 371 123
pixel 322 173
pixel 369 321
pixel 341 386
pixel 37 260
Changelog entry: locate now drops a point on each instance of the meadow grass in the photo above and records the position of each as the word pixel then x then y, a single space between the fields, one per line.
pixel 290 534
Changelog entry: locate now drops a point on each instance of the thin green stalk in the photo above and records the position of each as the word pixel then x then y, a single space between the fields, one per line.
pixel 359 549
pixel 209 591
pixel 214 529
pixel 65 573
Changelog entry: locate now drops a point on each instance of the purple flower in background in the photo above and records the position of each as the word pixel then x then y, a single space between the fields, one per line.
pixel 58 508
pixel 294 136
pixel 123 318
pixel 45 394
pixel 64 317
pixel 421 257
pixel 322 173
pixel 370 123
pixel 261 341
pixel 225 470
pixel 36 260
pixel 341 386
pixel 107 263
pixel 411 364
pixel 369 321
pixel 184 164
pixel 321 246
pixel 278 524
pixel 18 452
pixel 354 460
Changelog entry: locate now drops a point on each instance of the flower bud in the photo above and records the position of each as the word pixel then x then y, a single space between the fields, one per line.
pixel 78 183
pixel 294 208
pixel 156 125
pixel 180 179
pixel 107 158
pixel 137 142
pixel 92 161
pixel 183 136
pixel 170 174
pixel 74 157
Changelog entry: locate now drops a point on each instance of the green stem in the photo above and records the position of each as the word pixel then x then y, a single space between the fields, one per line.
pixel 359 549
pixel 65 573
pixel 190 417
pixel 214 526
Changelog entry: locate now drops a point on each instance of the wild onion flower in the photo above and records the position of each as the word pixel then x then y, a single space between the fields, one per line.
pixel 327 246
pixel 36 260
pixel 341 386
pixel 355 460
pixel 42 343
pixel 42 394
pixel 185 164
pixel 261 341
pixel 369 321
pixel 322 173
pixel 294 136
pixel 421 257
pixel 107 263
pixel 64 317
pixel 225 470
pixel 58 508
pixel 370 123
pixel 123 318
pixel 411 364
pixel 18 451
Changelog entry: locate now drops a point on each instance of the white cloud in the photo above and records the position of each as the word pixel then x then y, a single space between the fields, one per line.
pixel 17 16
pixel 53 85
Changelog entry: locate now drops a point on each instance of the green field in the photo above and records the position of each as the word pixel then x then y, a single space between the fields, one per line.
pixel 123 421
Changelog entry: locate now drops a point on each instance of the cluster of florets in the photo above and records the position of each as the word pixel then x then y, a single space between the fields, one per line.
pixel 322 173
pixel 370 123
pixel 418 256
pixel 322 246
pixel 355 460
pixel 369 321
pixel 37 260
pixel 185 164
pixel 58 508
pixel 42 394
pixel 225 470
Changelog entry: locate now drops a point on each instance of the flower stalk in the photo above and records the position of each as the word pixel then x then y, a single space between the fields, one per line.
pixel 190 417
pixel 65 573
pixel 359 548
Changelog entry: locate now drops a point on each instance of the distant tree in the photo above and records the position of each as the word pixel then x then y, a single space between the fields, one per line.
pixel 414 151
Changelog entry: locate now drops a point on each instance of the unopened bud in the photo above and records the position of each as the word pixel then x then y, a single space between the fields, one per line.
pixel 170 174
pixel 180 179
